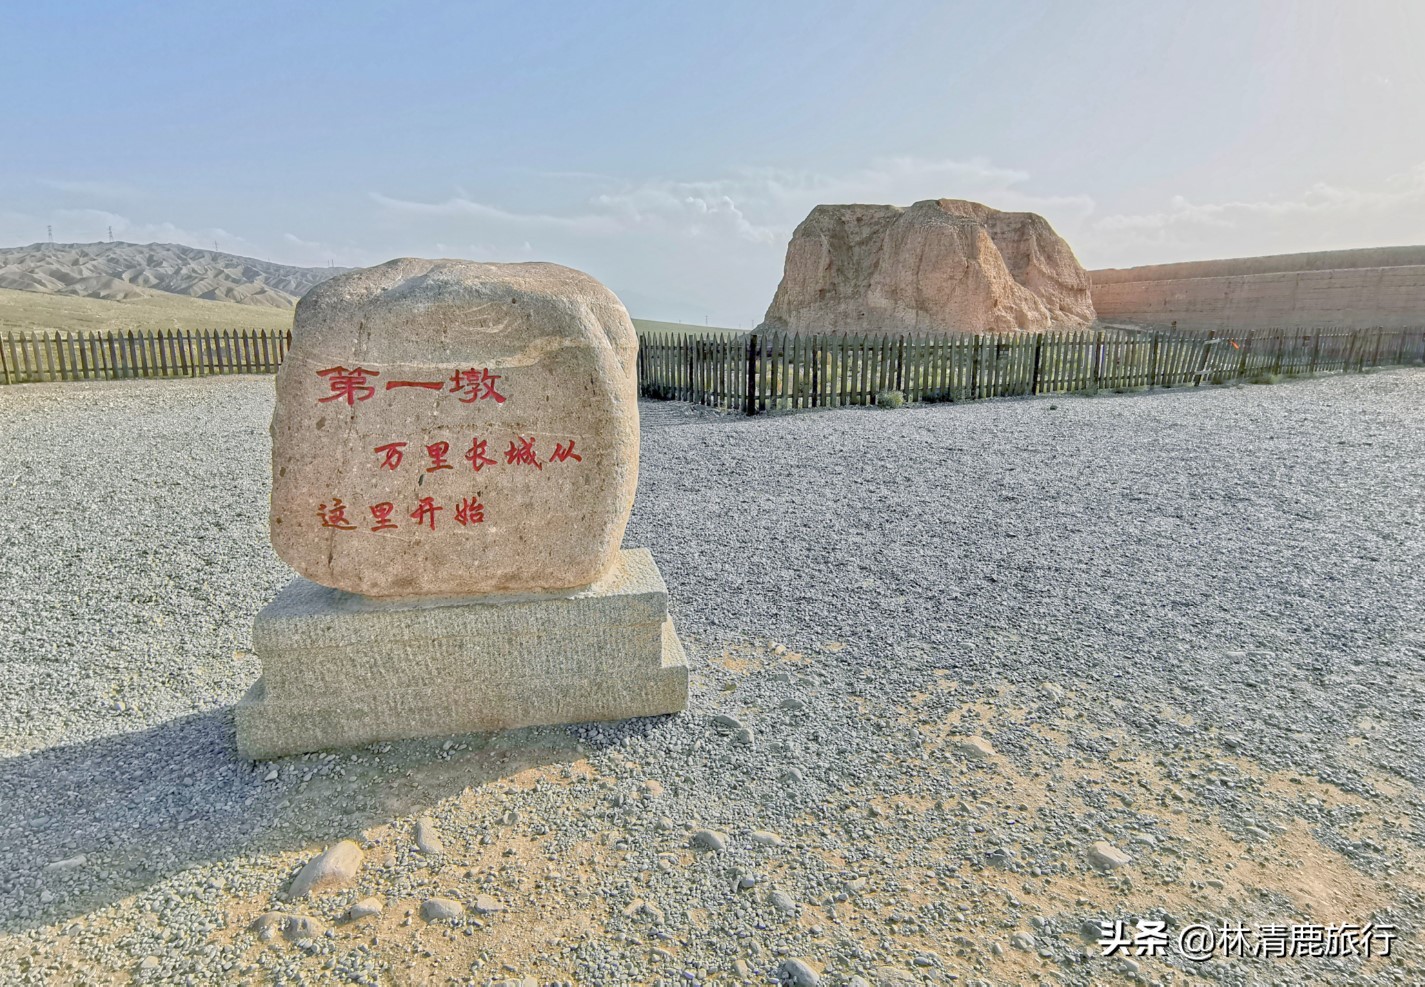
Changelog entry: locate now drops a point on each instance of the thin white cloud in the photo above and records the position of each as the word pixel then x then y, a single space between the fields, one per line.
pixel 760 206
pixel 463 207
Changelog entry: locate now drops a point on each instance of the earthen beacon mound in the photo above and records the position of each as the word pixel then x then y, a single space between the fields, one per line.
pixel 454 459
pixel 940 266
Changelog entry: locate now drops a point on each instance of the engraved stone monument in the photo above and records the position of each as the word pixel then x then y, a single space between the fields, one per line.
pixel 454 459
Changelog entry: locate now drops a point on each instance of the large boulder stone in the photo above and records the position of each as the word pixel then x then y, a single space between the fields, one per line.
pixel 941 266
pixel 447 428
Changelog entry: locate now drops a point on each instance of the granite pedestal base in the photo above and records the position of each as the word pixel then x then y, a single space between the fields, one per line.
pixel 340 670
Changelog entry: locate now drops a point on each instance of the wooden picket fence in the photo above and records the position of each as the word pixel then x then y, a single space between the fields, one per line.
pixel 758 372
pixel 35 356
pixel 768 371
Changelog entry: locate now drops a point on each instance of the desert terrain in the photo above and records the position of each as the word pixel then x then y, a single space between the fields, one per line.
pixel 968 680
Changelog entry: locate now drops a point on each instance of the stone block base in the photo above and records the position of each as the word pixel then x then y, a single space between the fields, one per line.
pixel 340 670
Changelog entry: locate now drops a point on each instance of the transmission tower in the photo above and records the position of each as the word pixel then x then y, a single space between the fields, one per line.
pixel 50 231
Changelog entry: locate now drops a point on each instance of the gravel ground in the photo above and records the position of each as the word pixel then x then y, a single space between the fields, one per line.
pixel 938 654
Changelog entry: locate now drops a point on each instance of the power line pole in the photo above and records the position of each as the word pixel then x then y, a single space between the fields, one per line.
pixel 111 234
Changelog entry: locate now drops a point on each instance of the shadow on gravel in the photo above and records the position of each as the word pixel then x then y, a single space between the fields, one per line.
pixel 140 807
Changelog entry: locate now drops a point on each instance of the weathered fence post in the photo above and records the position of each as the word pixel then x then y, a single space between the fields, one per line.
pixel 1206 356
pixel 752 347
pixel 816 358
pixel 975 369
pixel 1246 347
pixel 1098 359
pixel 1038 356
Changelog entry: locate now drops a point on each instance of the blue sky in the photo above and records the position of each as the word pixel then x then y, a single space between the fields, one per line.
pixel 670 149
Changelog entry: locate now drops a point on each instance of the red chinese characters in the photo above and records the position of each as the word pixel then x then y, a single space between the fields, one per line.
pixel 382 515
pixel 476 385
pixel 392 451
pixel 477 456
pixel 353 385
pixel 425 512
pixel 348 385
pixel 562 452
pixel 467 511
pixel 521 453
pixel 470 511
pixel 437 451
pixel 334 516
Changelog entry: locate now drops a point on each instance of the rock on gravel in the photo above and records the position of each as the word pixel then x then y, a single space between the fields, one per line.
pixel 975 748
pixel 487 905
pixel 799 973
pixel 335 867
pixel 428 837
pixel 442 910
pixel 293 927
pixel 69 863
pixel 366 908
pixel 1108 856
pixel 709 839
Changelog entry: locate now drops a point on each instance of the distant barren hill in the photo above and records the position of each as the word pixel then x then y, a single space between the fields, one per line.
pixel 128 271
